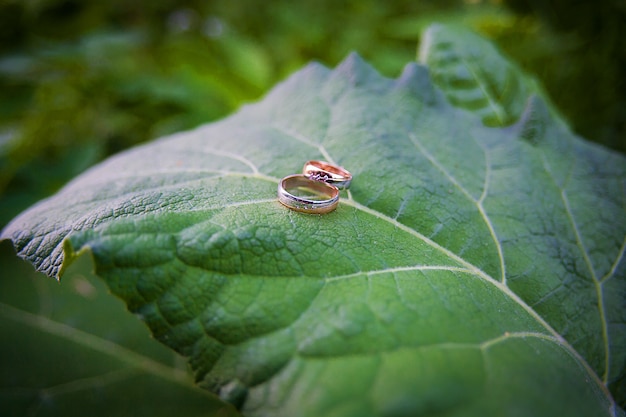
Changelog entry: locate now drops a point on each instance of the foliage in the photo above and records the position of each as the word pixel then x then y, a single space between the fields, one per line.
pixel 470 270
pixel 83 79
pixel 73 349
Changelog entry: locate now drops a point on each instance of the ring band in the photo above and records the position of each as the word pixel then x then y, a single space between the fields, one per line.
pixel 332 174
pixel 300 193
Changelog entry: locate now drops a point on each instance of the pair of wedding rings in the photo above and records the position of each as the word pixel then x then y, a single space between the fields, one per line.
pixel 316 190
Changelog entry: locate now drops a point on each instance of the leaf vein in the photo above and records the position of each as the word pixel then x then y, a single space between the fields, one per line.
pixel 297 136
pixel 96 343
pixel 477 202
pixel 497 110
pixel 485 216
pixel 235 157
pixel 611 273
pixel 581 246
pixel 400 269
pixel 175 185
pixel 482 275
pixel 81 384
pixel 440 167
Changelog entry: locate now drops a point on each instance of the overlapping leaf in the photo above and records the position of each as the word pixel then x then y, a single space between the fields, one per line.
pixel 72 350
pixel 470 270
pixel 474 76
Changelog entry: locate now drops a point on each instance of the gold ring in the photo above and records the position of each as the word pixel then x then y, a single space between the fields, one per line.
pixel 332 174
pixel 305 195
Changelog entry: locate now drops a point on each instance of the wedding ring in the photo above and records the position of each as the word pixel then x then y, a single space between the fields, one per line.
pixel 305 195
pixel 332 174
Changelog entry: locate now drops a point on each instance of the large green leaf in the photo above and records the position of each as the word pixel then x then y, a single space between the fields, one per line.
pixel 470 270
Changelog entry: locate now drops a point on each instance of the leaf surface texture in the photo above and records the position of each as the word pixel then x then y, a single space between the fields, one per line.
pixel 470 270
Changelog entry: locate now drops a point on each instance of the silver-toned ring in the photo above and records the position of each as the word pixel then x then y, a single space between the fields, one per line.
pixel 332 174
pixel 300 193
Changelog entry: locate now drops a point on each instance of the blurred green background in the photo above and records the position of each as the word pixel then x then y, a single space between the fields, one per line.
pixel 82 79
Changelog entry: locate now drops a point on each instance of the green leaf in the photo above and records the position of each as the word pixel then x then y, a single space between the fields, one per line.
pixel 474 75
pixel 72 349
pixel 470 270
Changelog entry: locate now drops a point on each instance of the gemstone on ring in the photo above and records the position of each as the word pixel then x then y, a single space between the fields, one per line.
pixel 300 193
pixel 329 173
